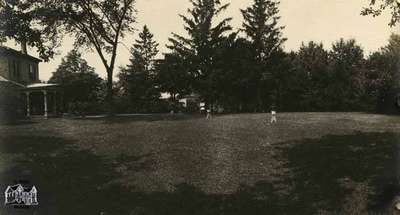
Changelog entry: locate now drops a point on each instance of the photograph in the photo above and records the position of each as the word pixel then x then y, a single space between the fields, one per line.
pixel 199 107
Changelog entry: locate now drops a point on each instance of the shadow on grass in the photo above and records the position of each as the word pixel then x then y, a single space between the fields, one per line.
pixel 142 118
pixel 17 122
pixel 78 182
pixel 324 171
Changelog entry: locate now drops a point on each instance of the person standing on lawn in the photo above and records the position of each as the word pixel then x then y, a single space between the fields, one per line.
pixel 208 113
pixel 273 116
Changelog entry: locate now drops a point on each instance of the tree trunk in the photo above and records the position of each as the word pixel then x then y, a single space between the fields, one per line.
pixel 24 48
pixel 110 96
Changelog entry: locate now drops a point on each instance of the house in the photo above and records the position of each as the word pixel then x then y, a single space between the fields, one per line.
pixel 20 195
pixel 21 92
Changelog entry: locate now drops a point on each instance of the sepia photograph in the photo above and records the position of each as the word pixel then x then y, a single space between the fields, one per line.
pixel 199 107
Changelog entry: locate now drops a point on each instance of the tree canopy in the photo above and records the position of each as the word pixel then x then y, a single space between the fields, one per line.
pixel 138 78
pixel 98 25
pixel 23 21
pixel 79 82
pixel 376 8
pixel 204 36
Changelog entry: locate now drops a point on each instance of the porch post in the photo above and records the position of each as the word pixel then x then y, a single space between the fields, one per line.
pixel 28 104
pixel 45 102
pixel 55 102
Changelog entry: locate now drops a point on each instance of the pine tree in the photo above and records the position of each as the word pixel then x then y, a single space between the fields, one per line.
pixel 138 78
pixel 200 46
pixel 261 27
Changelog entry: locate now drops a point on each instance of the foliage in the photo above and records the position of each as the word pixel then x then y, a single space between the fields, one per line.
pixel 261 26
pixel 173 76
pixel 311 65
pixel 199 48
pixel 383 76
pixel 22 20
pixel 346 74
pixel 81 86
pixel 377 7
pixel 138 79
pixel 260 23
pixel 98 25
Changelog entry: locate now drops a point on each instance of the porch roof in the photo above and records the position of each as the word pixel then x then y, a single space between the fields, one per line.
pixel 2 79
pixel 41 86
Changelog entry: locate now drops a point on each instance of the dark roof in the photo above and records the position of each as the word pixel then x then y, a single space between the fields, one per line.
pixel 4 80
pixel 5 51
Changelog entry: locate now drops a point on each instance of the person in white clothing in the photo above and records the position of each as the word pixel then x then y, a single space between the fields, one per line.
pixel 273 117
pixel 208 114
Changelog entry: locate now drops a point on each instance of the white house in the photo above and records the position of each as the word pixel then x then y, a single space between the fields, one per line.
pixel 19 195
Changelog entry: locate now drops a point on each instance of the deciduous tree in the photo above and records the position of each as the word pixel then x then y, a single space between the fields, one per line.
pixel 377 7
pixel 79 82
pixel 98 25
pixel 22 21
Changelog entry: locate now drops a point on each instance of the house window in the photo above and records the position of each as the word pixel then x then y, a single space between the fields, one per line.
pixel 32 72
pixel 16 70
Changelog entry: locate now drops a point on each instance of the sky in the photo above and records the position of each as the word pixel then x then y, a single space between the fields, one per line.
pixel 323 21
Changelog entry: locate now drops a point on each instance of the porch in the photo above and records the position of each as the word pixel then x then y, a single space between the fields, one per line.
pixel 42 100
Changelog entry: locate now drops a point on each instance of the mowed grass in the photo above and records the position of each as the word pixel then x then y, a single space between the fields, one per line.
pixel 307 163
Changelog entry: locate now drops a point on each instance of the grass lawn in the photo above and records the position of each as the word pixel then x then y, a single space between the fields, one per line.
pixel 307 163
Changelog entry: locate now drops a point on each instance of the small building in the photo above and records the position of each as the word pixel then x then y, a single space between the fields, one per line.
pixel 20 195
pixel 21 92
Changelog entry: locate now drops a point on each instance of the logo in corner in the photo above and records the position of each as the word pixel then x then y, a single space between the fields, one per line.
pixel 19 195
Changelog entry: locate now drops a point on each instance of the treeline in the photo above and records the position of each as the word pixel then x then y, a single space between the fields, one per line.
pixel 248 70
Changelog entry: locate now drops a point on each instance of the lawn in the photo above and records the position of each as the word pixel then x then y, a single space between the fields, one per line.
pixel 307 163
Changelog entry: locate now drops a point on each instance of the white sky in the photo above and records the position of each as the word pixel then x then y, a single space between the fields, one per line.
pixel 319 20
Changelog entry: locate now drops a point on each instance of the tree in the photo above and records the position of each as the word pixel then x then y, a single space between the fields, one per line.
pixel 21 20
pixel 79 82
pixel 311 66
pixel 173 76
pixel 235 76
pixel 347 75
pixel 95 24
pixel 138 78
pixel 376 8
pixel 383 78
pixel 261 26
pixel 200 46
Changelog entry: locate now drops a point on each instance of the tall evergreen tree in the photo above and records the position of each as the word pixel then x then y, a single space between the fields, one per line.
pixel 262 29
pixel 200 46
pixel 261 26
pixel 138 78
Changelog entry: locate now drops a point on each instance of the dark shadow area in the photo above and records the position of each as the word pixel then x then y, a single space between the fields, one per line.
pixel 142 118
pixel 78 182
pixel 17 122
pixel 69 181
pixel 320 169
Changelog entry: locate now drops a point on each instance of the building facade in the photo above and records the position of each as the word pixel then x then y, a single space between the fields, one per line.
pixel 21 92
